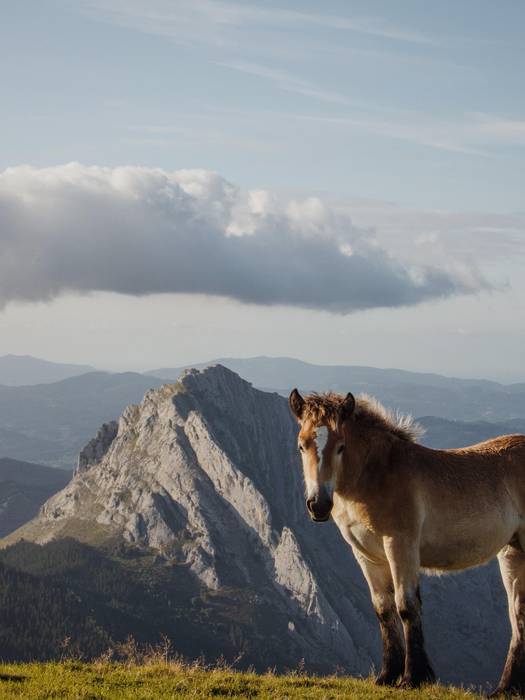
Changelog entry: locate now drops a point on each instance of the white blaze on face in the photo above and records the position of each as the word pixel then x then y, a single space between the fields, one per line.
pixel 313 484
pixel 321 440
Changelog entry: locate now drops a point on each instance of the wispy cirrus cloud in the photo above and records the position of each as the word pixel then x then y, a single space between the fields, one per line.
pixel 247 37
pixel 454 136
pixel 291 83
pixel 213 22
pixel 470 134
pixel 498 129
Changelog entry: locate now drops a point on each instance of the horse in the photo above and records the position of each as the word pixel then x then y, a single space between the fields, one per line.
pixel 405 508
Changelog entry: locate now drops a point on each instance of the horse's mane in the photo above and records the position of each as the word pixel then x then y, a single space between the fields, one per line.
pixel 369 412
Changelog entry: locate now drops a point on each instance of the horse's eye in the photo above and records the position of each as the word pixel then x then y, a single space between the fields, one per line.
pixel 340 449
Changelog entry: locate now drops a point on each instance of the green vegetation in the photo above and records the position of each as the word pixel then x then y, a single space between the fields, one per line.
pixel 158 680
pixel 95 599
pixel 69 590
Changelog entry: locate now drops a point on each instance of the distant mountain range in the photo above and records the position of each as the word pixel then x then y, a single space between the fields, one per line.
pixel 18 370
pixel 412 392
pixel 446 434
pixel 23 489
pixel 50 423
pixel 272 372
pixel 192 522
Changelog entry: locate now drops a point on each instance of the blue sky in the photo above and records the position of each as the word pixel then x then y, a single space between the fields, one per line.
pixel 407 118
pixel 419 103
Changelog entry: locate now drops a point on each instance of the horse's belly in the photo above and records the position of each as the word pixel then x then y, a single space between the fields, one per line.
pixel 451 548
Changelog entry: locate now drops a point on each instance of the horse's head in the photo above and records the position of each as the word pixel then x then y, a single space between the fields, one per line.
pixel 322 444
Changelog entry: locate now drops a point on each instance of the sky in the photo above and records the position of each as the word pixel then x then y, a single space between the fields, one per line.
pixel 184 180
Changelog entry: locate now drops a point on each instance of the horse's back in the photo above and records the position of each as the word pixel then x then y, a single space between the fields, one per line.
pixel 500 459
pixel 479 476
pixel 512 445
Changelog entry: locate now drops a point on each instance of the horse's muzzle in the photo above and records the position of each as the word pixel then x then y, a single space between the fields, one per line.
pixel 319 508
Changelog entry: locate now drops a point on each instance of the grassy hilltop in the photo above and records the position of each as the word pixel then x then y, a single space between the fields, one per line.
pixel 159 681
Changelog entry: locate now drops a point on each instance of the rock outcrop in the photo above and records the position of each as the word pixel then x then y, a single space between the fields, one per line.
pixel 206 474
pixel 97 447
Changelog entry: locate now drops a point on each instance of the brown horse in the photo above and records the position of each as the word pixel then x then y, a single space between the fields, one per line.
pixel 403 507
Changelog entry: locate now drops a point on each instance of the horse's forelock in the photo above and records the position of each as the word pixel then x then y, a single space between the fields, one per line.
pixel 324 409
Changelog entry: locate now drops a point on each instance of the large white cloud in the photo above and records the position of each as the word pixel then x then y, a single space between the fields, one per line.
pixel 140 231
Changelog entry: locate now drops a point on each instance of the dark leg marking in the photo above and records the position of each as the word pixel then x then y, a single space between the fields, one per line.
pixel 393 647
pixel 418 669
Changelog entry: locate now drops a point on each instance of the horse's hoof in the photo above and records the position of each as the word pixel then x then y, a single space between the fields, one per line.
pixel 387 678
pixel 408 682
pixel 417 679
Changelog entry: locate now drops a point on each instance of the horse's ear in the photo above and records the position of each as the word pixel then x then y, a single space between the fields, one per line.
pixel 347 407
pixel 296 402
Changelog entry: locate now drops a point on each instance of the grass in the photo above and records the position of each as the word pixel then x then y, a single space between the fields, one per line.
pixel 158 680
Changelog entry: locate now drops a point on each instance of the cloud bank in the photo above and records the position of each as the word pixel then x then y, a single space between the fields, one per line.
pixel 142 231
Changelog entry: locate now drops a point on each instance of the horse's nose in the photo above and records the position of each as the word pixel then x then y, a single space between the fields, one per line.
pixel 319 508
pixel 310 504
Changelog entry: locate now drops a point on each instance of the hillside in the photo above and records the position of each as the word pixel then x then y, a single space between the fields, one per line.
pixel 19 370
pixel 37 614
pixel 417 393
pixel 165 681
pixel 198 494
pixel 96 599
pixel 23 489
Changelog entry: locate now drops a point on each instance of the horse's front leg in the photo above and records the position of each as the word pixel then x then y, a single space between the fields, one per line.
pixel 381 587
pixel 403 556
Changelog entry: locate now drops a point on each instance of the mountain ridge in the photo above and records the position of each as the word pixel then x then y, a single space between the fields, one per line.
pixel 416 393
pixel 50 423
pixel 22 370
pixel 292 362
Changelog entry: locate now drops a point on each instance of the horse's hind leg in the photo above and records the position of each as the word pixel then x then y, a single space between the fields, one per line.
pixel 512 566
pixel 381 586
